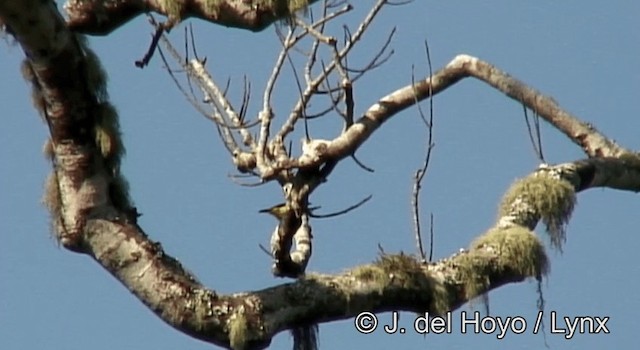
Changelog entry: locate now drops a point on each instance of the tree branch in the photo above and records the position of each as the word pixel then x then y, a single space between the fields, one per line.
pixel 98 17
pixel 594 143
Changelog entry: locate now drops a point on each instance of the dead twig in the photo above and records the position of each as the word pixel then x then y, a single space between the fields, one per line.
pixel 420 173
pixel 534 134
pixel 160 28
pixel 342 212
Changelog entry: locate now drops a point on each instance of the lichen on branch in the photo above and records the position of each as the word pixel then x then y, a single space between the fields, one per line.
pixel 541 196
pixel 99 17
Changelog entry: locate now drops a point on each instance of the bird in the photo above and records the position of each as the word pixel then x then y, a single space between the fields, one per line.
pixel 279 211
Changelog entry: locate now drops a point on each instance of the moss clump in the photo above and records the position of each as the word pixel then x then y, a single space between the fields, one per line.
pixel 407 272
pixel 51 200
pixel 283 8
pixel 552 200
pixel 95 75
pixel 520 248
pixel 107 135
pixel 372 274
pixel 520 254
pixel 238 330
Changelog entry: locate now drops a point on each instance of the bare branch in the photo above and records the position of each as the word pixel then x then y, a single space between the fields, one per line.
pixel 537 143
pixel 585 135
pixel 327 17
pixel 431 237
pixel 377 60
pixel 420 173
pixel 343 211
pixel 361 165
pixel 296 113
pixel 234 178
pixel 160 28
pixel 212 93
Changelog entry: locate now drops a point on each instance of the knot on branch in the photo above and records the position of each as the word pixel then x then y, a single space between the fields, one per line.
pixel 245 162
pixel 313 151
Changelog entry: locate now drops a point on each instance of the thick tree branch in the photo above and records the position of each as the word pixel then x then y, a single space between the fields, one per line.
pixel 99 17
pixel 394 282
pixel 70 95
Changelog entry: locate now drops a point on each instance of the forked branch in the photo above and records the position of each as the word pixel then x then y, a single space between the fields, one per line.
pixel 583 134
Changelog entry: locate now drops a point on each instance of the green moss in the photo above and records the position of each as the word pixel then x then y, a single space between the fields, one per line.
pixel 631 160
pixel 238 331
pixel 519 251
pixel 473 271
pixel 371 274
pixel 107 135
pixel 37 99
pixel 407 272
pixel 119 193
pixel 212 7
pixel 440 302
pixel 173 9
pixel 51 200
pixel 95 76
pixel 521 248
pixel 47 149
pixel 552 200
pixel 285 9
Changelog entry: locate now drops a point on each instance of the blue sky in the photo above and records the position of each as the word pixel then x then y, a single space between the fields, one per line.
pixel 580 52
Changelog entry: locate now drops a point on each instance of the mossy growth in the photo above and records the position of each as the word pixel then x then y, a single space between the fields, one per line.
pixel 407 272
pixel 36 90
pixel 631 160
pixel 173 9
pixel 107 135
pixel 212 7
pixel 238 330
pixel 372 274
pixel 95 76
pixel 285 10
pixel 552 200
pixel 520 254
pixel 407 269
pixel 51 200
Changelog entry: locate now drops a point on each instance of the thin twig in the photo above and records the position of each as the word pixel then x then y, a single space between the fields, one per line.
pixel 265 250
pixel 377 61
pixel 419 176
pixel 431 237
pixel 246 184
pixel 360 164
pixel 342 212
pixel 159 29
pixel 295 114
pixel 536 141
